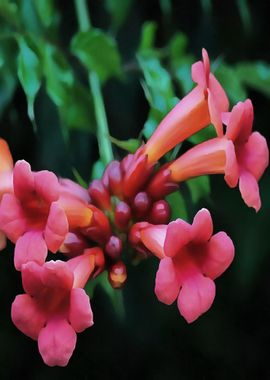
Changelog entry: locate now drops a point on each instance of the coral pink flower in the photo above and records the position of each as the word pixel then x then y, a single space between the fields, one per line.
pixel 202 106
pixel 31 217
pixel 240 155
pixel 251 151
pixel 6 178
pixel 191 258
pixel 55 307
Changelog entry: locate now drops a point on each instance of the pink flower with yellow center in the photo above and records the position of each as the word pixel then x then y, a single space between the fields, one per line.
pixel 191 258
pixel 55 307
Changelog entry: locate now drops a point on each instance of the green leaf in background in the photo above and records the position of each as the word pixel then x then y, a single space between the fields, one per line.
pixel 148 36
pixel 98 52
pixel 8 67
pixel 29 72
pixel 203 135
pixel 130 145
pixel 97 170
pixel 79 178
pixel 199 188
pixel 178 206
pixel 255 75
pixel 115 295
pixel 118 10
pixel 231 82
pixel 58 74
pixel 9 11
pixel 46 11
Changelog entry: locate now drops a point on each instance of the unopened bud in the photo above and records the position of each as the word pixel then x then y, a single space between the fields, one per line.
pixel 117 275
pixel 99 194
pixel 122 215
pixel 73 245
pixel 115 178
pixel 134 238
pixel 141 204
pixel 160 213
pixel 114 247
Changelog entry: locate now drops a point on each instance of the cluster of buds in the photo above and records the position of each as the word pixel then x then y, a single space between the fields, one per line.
pixel 93 228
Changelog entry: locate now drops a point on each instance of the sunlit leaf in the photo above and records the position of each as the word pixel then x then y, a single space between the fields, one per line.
pixel 148 35
pixel 199 188
pixel 98 52
pixel 255 75
pixel 130 145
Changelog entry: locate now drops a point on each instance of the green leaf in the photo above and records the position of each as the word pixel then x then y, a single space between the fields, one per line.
pixel 115 296
pixel 178 206
pixel 97 170
pixel 231 82
pixel 203 135
pixel 199 188
pixel 178 46
pixel 130 145
pixel 147 37
pixel 255 75
pixel 46 11
pixel 118 10
pixel 29 72
pixel 58 74
pixel 98 52
pixel 9 11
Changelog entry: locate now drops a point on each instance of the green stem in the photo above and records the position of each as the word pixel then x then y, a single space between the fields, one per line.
pixel 103 136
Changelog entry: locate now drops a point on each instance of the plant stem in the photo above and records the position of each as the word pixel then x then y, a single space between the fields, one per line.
pixel 103 137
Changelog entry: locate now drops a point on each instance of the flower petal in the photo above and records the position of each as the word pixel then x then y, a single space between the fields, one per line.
pixel 23 180
pixel 220 254
pixel 195 297
pixel 202 226
pixel 153 238
pixel 47 185
pixel 31 278
pixel 249 190
pixel 56 343
pixel 178 235
pixel 26 316
pixel 56 274
pixel 6 161
pixel 80 312
pixel 167 284
pixel 12 221
pixel 30 247
pixel 56 228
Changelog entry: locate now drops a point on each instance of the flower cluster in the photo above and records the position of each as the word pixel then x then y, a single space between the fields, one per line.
pixel 127 207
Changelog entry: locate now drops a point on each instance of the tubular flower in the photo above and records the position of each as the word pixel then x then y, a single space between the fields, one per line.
pixel 251 151
pixel 55 307
pixel 6 178
pixel 191 258
pixel 31 217
pixel 202 106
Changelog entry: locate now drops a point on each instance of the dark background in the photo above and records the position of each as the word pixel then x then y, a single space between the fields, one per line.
pixel 153 341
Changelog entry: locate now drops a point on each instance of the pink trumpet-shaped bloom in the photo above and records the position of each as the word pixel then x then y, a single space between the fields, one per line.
pixel 31 217
pixel 55 307
pixel 202 106
pixel 251 151
pixel 191 258
pixel 6 178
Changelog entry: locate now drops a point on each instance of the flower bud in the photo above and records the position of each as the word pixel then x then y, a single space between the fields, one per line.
pixel 141 204
pixel 99 194
pixel 134 238
pixel 117 275
pixel 115 179
pixel 161 184
pixel 160 213
pixel 114 247
pixel 73 245
pixel 122 215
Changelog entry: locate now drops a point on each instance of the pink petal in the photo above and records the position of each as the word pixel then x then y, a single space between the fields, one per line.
pixel 47 185
pixel 202 226
pixel 56 228
pixel 167 284
pixel 153 238
pixel 220 254
pixel 231 168
pixel 56 343
pixel 178 235
pixel 23 180
pixel 218 94
pixel 256 155
pixel 74 188
pixel 82 266
pixel 233 120
pixel 6 161
pixel 198 74
pixel 215 114
pixel 249 190
pixel 26 316
pixel 196 297
pixel 12 220
pixel 80 312
pixel 31 278
pixel 30 247
pixel 56 274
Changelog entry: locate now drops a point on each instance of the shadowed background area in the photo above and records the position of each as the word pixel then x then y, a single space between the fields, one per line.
pixel 152 341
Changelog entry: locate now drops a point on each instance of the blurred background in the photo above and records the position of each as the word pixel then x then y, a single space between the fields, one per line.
pixel 142 52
